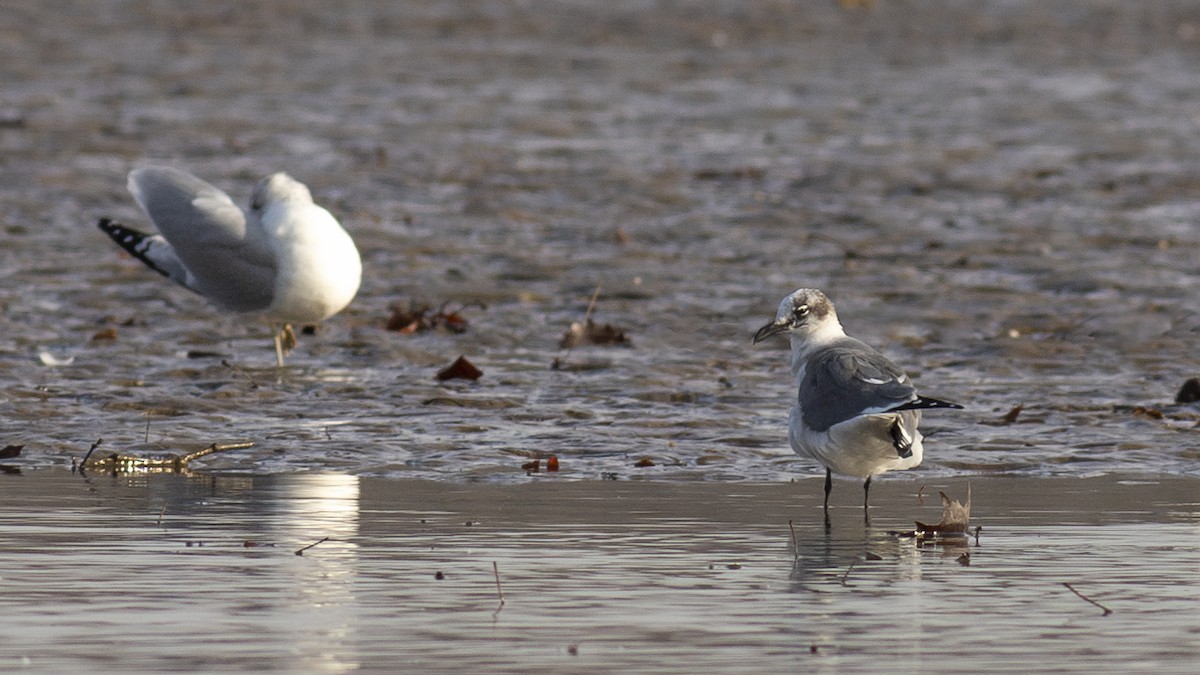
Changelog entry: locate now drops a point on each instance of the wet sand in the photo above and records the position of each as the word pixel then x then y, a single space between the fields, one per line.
pixel 597 576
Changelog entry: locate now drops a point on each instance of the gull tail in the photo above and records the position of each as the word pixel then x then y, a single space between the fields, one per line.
pixel 151 249
pixel 925 403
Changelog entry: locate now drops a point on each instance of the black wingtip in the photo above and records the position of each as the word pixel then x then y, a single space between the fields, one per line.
pixel 135 242
pixel 926 403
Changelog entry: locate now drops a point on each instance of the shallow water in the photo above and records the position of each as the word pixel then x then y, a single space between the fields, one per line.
pixel 169 573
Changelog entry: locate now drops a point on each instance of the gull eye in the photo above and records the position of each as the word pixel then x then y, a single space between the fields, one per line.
pixel 800 312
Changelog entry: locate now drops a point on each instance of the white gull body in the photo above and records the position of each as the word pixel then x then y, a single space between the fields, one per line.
pixel 856 412
pixel 286 258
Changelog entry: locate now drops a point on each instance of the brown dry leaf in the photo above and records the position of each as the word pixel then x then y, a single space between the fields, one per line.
pixel 955 517
pixel 532 467
pixel 410 318
pixel 105 335
pixel 461 369
pixel 1148 413
pixel 10 451
pixel 1011 416
pixel 590 332
pixel 644 462
pixel 552 463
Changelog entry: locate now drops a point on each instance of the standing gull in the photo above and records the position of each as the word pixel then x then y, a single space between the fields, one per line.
pixel 286 259
pixel 856 412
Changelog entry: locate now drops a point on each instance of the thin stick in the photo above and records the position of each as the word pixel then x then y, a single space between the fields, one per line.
pixel 1071 588
pixel 147 440
pixel 162 512
pixel 499 590
pixel 795 544
pixel 848 573
pixel 90 451
pixel 322 541
pixel 591 305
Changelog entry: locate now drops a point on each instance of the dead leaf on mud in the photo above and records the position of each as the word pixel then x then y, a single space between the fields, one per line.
pixel 532 467
pixel 461 369
pixel 1189 392
pixel 105 335
pixel 590 332
pixel 552 463
pixel 1147 413
pixel 10 451
pixel 408 318
pixel 644 462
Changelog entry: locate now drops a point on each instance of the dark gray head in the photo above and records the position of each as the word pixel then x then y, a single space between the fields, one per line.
pixel 278 187
pixel 802 315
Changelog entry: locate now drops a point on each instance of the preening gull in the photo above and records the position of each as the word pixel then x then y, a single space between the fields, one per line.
pixel 286 258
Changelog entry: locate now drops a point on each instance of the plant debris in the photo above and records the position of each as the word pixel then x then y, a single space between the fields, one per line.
pixel 408 318
pixel 552 463
pixel 644 462
pixel 590 332
pixel 116 463
pixel 1147 413
pixel 953 525
pixel 11 451
pixel 461 369
pixel 1011 416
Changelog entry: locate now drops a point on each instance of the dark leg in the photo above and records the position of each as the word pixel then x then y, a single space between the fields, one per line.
pixel 866 496
pixel 828 487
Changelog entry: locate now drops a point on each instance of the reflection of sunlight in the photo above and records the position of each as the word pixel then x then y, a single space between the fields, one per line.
pixel 324 617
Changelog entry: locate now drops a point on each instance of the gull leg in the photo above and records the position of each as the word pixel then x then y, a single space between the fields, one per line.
pixel 277 333
pixel 866 498
pixel 828 487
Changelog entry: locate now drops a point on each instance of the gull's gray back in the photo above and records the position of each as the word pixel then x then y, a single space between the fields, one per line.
pixel 228 259
pixel 847 379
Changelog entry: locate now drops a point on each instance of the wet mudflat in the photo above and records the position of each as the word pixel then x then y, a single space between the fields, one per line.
pixel 1003 198
pixel 169 573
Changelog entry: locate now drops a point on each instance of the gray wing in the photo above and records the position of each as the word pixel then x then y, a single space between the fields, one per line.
pixel 228 259
pixel 847 380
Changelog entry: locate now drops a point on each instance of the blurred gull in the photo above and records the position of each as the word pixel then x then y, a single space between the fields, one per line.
pixel 857 412
pixel 286 258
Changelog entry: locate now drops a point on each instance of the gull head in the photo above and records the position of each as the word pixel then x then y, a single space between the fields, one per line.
pixel 278 187
pixel 807 316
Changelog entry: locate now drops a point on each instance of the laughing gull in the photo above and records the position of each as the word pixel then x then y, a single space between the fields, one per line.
pixel 286 258
pixel 857 412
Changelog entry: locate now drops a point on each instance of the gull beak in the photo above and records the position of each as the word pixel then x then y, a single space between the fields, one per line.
pixel 773 328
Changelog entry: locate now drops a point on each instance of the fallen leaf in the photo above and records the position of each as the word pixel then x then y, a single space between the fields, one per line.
pixel 1148 413
pixel 1011 416
pixel 955 517
pixel 532 467
pixel 644 462
pixel 461 369
pixel 410 318
pixel 552 463
pixel 105 335
pixel 10 451
pixel 590 332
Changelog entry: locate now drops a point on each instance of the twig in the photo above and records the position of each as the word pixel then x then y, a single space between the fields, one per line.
pixel 591 305
pixel 1071 588
pixel 795 544
pixel 322 541
pixel 162 512
pixel 847 573
pixel 90 451
pixel 499 590
pixel 215 447
pixel 147 439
